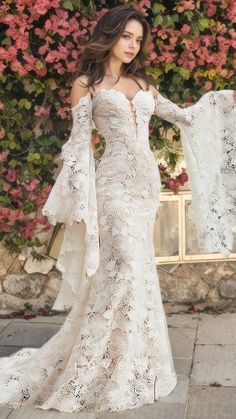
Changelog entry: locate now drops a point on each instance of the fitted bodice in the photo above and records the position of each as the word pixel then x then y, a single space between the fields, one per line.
pixel 124 124
pixel 116 117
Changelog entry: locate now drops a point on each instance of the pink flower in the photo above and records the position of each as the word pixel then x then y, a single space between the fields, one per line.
pixel 17 67
pixel 11 175
pixel 63 112
pixel 173 185
pixel 42 111
pixel 1 105
pixel 2 67
pixel 184 5
pixel 84 22
pixel 4 212
pixel 95 139
pixel 185 29
pixel 33 184
pixel 42 7
pixel 16 193
pixel 6 186
pixel 208 85
pixel 30 229
pixel 211 10
pixel 41 220
pixel 3 155
pixel 14 215
pixel 182 178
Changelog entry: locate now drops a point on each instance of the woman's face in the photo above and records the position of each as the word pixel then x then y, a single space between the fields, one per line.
pixel 129 44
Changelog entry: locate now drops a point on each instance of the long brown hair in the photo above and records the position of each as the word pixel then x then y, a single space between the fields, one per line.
pixel 97 51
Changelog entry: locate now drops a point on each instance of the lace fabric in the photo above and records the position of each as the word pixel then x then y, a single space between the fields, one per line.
pixel 113 351
pixel 209 141
pixel 73 196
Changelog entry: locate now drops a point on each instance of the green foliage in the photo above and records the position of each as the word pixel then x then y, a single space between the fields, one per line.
pixel 191 53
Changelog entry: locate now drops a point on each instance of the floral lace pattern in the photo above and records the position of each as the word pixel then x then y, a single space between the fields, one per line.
pixel 73 196
pixel 209 140
pixel 113 351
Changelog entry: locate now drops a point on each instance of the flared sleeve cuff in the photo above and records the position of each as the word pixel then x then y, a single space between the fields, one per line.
pixel 209 141
pixel 73 196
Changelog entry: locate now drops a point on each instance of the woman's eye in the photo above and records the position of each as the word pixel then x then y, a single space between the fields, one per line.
pixel 128 37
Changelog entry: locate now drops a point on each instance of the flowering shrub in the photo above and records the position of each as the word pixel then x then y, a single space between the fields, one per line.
pixel 191 52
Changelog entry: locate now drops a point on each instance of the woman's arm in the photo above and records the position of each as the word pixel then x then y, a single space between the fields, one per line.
pixel 171 112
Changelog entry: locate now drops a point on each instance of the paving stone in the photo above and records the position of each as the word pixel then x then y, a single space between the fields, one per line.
pixel 36 413
pixel 5 412
pixel 182 342
pixel 48 319
pixel 214 364
pixel 5 322
pixel 8 350
pixel 180 393
pixel 27 334
pixel 211 403
pixel 155 410
pixel 183 366
pixel 182 320
pixel 217 330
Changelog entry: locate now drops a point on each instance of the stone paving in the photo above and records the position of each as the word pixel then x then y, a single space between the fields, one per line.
pixel 204 351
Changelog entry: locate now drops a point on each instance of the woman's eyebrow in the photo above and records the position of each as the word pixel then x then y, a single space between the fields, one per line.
pixel 140 36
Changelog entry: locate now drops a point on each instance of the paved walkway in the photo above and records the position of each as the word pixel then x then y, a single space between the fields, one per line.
pixel 204 351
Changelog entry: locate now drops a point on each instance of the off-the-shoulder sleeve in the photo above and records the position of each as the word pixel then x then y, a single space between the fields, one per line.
pixel 209 142
pixel 72 199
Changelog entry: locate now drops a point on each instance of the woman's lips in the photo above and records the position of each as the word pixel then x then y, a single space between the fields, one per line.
pixel 129 54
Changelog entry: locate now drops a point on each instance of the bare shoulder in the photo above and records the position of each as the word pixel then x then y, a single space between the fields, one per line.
pixel 142 83
pixel 78 90
pixel 153 90
pixel 145 85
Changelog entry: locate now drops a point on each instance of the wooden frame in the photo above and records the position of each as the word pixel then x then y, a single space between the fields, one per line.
pixel 183 257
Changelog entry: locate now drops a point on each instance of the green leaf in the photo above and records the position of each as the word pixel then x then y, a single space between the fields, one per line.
pixel 67 5
pixel 13 163
pixel 13 146
pixel 7 41
pixel 24 103
pixel 168 21
pixel 189 15
pixel 169 66
pixel 158 20
pixel 13 102
pixel 157 8
pixel 9 86
pixel 184 72
pixel 27 105
pixel 10 136
pixel 203 24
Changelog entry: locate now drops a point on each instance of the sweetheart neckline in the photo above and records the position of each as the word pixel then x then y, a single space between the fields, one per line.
pixel 88 95
pixel 122 94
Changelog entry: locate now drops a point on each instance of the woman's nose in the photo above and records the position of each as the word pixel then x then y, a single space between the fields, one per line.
pixel 132 43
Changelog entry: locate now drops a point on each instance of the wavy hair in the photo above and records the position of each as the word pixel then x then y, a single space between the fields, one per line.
pixel 97 51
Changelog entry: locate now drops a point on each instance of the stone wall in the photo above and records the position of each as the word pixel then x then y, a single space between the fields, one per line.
pixel 205 284
pixel 24 280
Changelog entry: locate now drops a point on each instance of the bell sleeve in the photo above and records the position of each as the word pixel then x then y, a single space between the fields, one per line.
pixel 72 200
pixel 208 136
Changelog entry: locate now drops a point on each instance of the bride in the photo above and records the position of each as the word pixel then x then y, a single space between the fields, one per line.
pixel 113 351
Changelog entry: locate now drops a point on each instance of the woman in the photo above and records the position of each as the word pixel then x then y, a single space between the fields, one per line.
pixel 113 351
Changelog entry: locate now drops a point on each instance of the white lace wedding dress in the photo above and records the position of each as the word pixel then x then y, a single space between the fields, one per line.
pixel 113 350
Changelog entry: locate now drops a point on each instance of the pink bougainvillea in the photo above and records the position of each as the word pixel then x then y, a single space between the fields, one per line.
pixel 192 51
